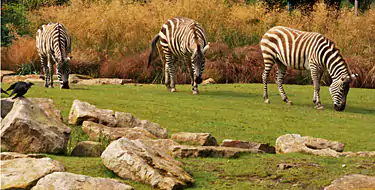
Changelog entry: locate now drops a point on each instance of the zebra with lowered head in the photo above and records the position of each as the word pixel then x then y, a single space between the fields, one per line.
pixel 182 38
pixel 53 43
pixel 301 50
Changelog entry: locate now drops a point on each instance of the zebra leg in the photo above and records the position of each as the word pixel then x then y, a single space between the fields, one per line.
pixel 316 76
pixel 44 69
pixel 51 69
pixel 187 62
pixel 280 80
pixel 169 71
pixel 266 72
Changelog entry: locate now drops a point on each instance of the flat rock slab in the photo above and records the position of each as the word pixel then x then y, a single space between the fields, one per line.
pixel 186 151
pixel 24 173
pixel 15 155
pixel 353 182
pixel 83 111
pixel 160 144
pixel 368 154
pixel 309 145
pixel 16 78
pixel 68 181
pixel 131 159
pixel 203 139
pixel 98 132
pixel 27 128
pixel 103 81
pixel 248 145
pixel 88 149
pixel 208 81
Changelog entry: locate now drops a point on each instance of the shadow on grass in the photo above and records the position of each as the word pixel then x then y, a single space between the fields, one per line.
pixel 360 110
pixel 230 94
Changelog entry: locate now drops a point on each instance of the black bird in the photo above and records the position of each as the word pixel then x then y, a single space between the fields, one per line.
pixel 3 91
pixel 19 88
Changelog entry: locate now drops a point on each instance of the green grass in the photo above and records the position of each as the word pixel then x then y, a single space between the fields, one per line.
pixel 236 111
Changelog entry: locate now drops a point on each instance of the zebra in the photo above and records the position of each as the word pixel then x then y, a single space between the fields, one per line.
pixel 53 43
pixel 288 47
pixel 182 38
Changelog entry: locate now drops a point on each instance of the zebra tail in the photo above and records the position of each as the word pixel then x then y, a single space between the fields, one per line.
pixel 153 45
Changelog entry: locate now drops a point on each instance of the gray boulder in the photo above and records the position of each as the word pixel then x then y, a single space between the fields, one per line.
pixel 353 182
pixel 68 181
pixel 27 128
pixel 131 159
pixel 88 149
pixel 83 111
pixel 24 173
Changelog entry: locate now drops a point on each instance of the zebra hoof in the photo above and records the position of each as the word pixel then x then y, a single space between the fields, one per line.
pixel 267 101
pixel 195 92
pixel 50 86
pixel 319 107
pixel 289 103
pixel 173 90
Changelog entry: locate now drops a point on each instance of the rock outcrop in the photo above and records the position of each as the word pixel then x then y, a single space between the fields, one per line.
pixel 98 132
pixel 27 128
pixel 68 181
pixel 132 159
pixel 88 149
pixel 186 151
pixel 24 173
pixel 83 111
pixel 353 182
pixel 248 145
pixel 203 139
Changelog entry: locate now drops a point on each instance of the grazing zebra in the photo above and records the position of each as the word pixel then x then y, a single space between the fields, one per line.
pixel 182 38
pixel 53 43
pixel 301 50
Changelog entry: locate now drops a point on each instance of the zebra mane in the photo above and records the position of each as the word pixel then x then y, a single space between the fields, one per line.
pixel 196 39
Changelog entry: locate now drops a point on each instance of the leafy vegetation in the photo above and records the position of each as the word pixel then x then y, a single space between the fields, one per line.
pixel 235 111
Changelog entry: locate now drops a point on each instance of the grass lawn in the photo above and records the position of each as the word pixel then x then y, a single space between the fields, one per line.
pixel 236 111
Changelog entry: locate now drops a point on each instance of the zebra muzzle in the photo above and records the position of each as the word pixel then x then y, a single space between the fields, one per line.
pixel 65 85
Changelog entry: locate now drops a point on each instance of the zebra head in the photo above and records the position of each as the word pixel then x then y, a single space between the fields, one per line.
pixel 339 90
pixel 64 73
pixel 198 59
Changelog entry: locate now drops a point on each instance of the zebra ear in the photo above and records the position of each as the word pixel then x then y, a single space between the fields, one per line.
pixel 206 48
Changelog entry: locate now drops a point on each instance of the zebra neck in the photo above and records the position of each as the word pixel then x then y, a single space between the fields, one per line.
pixel 335 63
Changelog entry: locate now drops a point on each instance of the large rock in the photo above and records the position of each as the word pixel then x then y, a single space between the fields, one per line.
pixel 16 78
pixel 47 105
pixel 353 182
pixel 97 132
pixel 75 78
pixel 6 106
pixel 132 159
pixel 27 128
pixel 127 120
pixel 15 155
pixel 23 173
pixel 316 146
pixel 83 111
pixel 88 149
pixel 6 73
pixel 204 139
pixel 68 181
pixel 248 145
pixel 186 151
pixel 102 81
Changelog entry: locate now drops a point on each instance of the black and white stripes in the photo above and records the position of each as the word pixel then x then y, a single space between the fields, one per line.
pixel 53 43
pixel 182 38
pixel 288 47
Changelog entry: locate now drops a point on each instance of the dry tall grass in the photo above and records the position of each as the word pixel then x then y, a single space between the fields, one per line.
pixel 116 34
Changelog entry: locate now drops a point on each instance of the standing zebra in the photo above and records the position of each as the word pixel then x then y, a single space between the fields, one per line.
pixel 182 38
pixel 301 50
pixel 53 43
